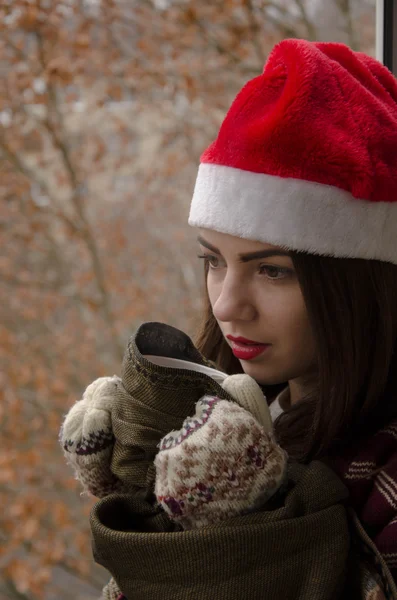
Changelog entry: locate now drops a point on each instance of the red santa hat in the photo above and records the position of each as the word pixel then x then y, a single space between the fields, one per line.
pixel 306 157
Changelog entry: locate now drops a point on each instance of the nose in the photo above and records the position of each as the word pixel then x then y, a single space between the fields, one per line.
pixel 234 302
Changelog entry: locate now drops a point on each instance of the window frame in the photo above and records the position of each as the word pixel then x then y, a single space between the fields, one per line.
pixel 386 33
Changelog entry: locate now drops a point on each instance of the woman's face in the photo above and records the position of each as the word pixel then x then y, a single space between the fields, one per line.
pixel 255 295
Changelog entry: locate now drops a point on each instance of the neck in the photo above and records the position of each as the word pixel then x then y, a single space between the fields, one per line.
pixel 299 388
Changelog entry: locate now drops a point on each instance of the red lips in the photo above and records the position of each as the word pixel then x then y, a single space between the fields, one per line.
pixel 245 349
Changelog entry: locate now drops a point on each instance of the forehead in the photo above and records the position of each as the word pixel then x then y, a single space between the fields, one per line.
pixel 232 244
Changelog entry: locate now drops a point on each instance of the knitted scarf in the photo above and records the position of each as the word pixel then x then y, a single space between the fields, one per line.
pixel 369 471
pixel 370 474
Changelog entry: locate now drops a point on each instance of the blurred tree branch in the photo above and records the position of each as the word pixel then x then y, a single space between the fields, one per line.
pixel 310 26
pixel 345 8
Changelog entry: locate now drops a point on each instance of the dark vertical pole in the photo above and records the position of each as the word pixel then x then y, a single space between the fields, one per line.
pixel 386 33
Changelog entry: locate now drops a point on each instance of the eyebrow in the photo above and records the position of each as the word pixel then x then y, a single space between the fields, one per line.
pixel 247 256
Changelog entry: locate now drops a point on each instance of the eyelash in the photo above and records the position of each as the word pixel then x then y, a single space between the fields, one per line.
pixel 281 270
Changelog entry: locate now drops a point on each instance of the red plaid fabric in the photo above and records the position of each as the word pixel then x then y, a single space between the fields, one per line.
pixel 370 474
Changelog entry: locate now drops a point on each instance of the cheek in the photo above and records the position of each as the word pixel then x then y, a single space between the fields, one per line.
pixel 286 314
pixel 295 329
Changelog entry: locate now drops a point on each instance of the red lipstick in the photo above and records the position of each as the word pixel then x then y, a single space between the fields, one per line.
pixel 245 349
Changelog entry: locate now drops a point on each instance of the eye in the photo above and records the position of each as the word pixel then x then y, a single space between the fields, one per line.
pixel 211 260
pixel 272 272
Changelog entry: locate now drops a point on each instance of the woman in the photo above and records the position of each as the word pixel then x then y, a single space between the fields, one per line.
pixel 305 162
pixel 296 210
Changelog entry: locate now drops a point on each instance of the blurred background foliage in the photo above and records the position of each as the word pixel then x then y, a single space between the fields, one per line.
pixel 105 107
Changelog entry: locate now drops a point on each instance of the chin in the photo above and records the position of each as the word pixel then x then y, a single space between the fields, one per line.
pixel 261 375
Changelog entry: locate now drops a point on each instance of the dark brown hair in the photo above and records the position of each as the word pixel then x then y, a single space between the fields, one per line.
pixel 352 306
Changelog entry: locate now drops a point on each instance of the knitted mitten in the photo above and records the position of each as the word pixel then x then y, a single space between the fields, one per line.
pixel 223 462
pixel 111 436
pixel 87 438
pixel 111 591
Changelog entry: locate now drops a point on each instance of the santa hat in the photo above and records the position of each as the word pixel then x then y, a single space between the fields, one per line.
pixel 306 157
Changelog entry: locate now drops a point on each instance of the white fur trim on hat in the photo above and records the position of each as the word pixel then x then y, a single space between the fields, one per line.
pixel 295 214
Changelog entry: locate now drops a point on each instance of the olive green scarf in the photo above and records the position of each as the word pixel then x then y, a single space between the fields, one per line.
pixel 300 550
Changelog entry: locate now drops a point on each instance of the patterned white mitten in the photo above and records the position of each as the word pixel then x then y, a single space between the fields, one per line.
pixel 223 462
pixel 87 438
